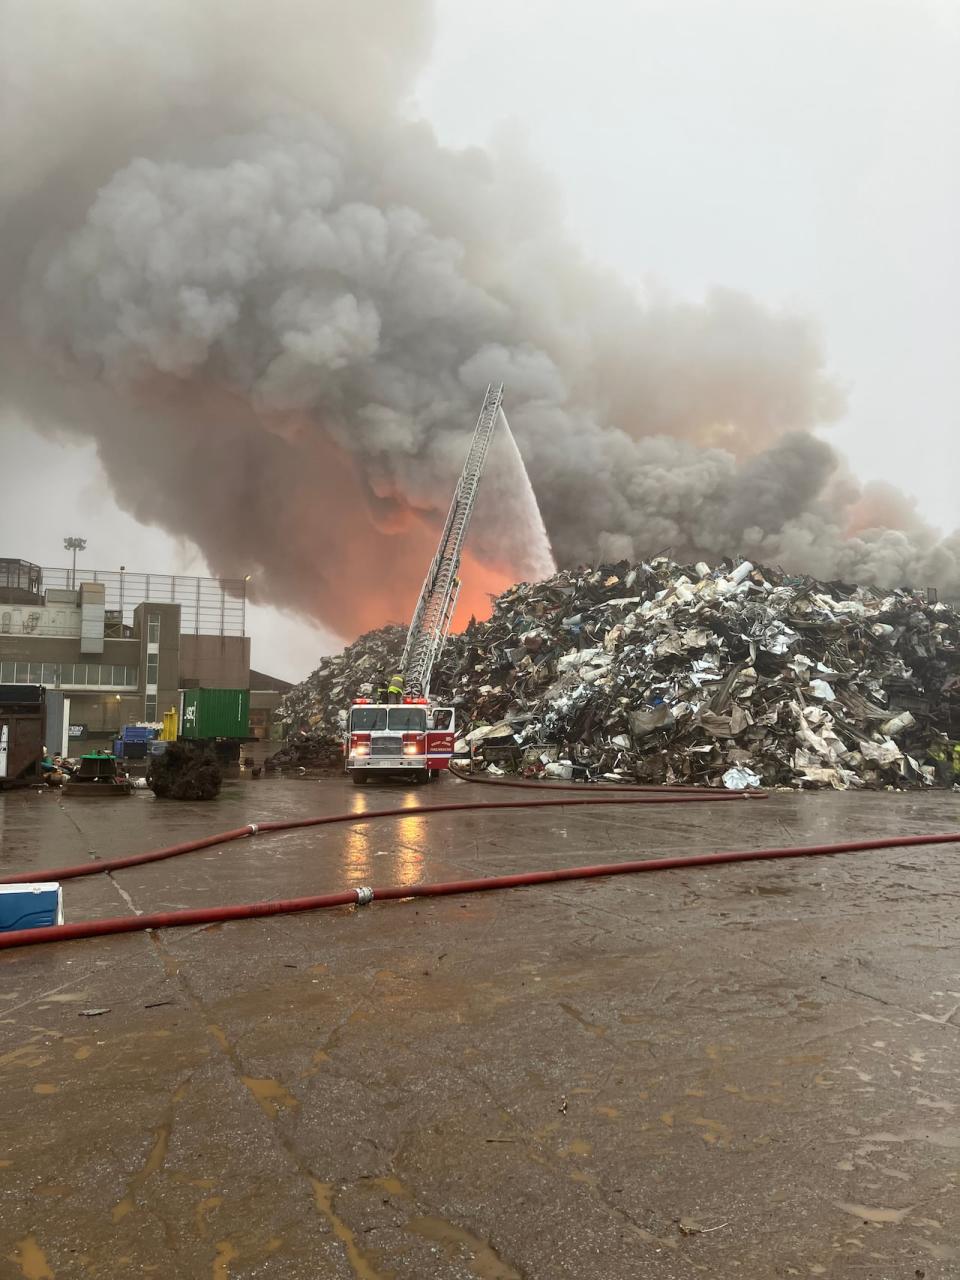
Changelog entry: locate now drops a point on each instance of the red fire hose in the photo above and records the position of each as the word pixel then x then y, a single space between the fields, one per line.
pixel 250 910
pixel 253 828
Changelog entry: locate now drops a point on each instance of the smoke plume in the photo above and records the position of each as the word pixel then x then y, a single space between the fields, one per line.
pixel 232 256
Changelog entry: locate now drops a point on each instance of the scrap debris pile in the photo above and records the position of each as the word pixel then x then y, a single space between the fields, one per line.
pixel 734 676
pixel 311 709
pixel 185 771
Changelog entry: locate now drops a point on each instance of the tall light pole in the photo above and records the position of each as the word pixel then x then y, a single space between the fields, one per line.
pixel 74 545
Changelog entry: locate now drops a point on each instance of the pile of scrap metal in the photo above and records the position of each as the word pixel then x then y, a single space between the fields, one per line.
pixel 312 711
pixel 733 676
pixel 185 771
pixel 308 749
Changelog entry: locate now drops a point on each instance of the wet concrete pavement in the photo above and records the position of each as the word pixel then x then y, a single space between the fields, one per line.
pixel 745 1070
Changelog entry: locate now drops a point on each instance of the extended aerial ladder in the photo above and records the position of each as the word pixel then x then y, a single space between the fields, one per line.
pixel 441 587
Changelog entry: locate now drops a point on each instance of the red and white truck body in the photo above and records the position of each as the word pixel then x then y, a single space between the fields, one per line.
pixel 409 737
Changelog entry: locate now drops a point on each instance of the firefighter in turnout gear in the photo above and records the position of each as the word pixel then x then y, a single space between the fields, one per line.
pixel 395 688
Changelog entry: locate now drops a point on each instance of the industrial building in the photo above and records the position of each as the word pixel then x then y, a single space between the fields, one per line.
pixel 121 646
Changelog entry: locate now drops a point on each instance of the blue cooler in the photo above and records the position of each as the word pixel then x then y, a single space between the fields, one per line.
pixel 30 906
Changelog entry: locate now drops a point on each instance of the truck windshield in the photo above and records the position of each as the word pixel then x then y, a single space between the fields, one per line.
pixel 408 719
pixel 363 719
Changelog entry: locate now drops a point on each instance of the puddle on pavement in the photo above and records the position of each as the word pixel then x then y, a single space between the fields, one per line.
pixel 946 1137
pixel 226 1253
pixel 392 1185
pixel 715 1132
pixel 27 1055
pixel 45 1089
pixel 595 1028
pixel 942 1252
pixel 271 1095
pixel 220 1036
pixel 203 1209
pixel 715 1051
pixel 362 1263
pixel 867 1214
pixel 484 1261
pixel 31 1260
pixel 155 1160
pixel 578 1147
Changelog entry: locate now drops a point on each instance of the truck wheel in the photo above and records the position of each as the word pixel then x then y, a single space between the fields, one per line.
pixel 434 774
pixel 359 777
pixel 421 776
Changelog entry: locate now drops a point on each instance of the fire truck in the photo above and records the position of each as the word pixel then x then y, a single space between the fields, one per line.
pixel 410 737
pixel 415 737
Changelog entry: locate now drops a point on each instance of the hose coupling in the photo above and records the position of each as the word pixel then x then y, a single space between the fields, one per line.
pixel 364 895
pixel 253 827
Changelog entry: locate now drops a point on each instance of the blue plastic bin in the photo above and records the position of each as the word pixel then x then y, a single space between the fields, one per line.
pixel 30 906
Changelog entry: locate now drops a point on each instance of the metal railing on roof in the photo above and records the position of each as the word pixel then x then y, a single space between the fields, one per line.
pixel 208 606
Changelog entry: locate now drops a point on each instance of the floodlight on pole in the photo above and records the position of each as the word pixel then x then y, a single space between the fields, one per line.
pixel 74 545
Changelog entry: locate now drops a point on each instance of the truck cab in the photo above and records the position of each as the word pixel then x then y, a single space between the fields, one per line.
pixel 409 738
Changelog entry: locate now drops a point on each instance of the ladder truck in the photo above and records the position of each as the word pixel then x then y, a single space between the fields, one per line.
pixel 412 736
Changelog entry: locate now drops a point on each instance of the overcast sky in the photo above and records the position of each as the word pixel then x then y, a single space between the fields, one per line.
pixel 805 152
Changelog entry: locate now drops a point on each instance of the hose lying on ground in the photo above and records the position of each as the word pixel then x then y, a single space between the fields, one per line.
pixel 254 828
pixel 250 910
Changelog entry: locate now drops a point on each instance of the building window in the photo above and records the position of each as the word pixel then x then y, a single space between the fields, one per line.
pixel 153 628
pixel 50 674
pixel 150 708
pixel 23 673
pixel 153 665
pixel 7 672
pixel 5 621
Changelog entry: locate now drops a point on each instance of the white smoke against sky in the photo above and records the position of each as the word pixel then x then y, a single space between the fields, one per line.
pixel 231 257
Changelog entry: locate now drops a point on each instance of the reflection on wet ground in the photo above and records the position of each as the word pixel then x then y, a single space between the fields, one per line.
pixel 746 1070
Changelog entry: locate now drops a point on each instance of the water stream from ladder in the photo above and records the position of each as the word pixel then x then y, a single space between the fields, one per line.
pixel 529 532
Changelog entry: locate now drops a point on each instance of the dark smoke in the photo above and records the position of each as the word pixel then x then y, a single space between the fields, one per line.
pixel 232 257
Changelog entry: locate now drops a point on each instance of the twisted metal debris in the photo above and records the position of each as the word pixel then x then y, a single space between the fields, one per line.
pixel 735 675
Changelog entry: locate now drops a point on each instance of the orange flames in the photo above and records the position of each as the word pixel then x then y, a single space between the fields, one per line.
pixel 371 572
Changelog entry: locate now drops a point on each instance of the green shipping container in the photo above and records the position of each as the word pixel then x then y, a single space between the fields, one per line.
pixel 215 713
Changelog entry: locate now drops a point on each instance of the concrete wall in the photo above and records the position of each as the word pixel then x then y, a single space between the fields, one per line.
pixel 160 643
pixel 103 714
pixel 215 662
pixel 60 620
pixel 66 649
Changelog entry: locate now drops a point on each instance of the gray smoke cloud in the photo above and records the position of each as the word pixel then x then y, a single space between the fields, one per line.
pixel 231 255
